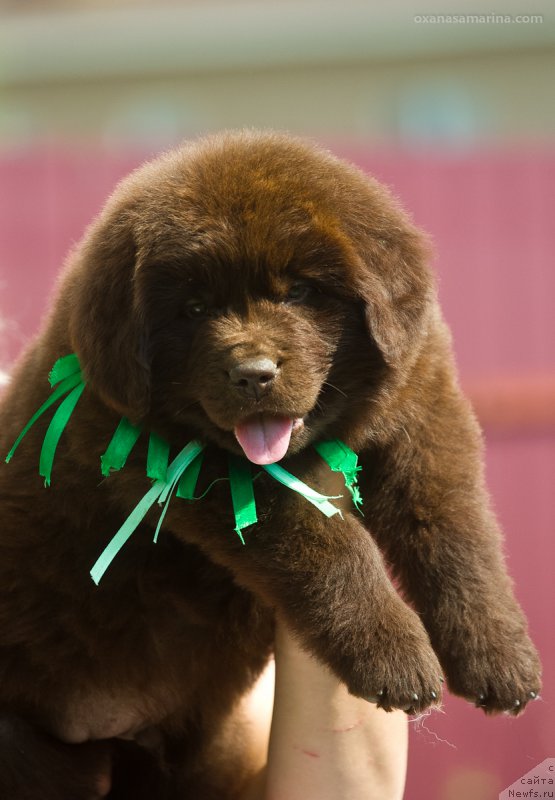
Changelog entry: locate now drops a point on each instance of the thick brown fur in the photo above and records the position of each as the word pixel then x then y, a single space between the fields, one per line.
pixel 237 247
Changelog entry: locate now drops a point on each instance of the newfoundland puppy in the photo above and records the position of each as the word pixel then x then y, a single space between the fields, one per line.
pixel 255 298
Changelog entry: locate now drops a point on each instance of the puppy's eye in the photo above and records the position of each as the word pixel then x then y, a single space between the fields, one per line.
pixel 298 292
pixel 196 309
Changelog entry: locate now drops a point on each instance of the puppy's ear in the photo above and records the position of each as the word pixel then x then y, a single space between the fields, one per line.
pixel 106 329
pixel 398 290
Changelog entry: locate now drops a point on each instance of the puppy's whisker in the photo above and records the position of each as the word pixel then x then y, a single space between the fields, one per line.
pixel 318 406
pixel 187 407
pixel 337 389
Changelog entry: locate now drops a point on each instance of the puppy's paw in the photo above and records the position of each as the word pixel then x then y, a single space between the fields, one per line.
pixel 400 669
pixel 503 675
pixel 37 765
pixel 399 692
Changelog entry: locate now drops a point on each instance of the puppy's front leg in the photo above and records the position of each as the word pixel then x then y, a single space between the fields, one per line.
pixel 426 504
pixel 327 579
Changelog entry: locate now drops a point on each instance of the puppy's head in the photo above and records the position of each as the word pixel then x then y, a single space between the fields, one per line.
pixel 250 289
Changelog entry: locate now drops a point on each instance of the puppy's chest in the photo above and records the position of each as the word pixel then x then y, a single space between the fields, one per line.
pixel 162 646
pixel 99 714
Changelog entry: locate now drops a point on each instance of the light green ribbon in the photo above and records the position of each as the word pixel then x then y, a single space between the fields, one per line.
pixel 181 476
pixel 321 502
pixel 161 492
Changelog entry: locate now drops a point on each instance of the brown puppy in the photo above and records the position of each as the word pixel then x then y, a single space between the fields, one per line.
pixel 261 296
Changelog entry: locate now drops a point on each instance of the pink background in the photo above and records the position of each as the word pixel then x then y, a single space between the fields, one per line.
pixel 491 218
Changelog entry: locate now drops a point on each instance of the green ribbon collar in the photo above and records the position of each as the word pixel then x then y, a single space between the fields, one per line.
pixel 178 477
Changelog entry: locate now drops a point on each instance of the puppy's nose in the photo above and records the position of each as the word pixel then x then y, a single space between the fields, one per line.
pixel 254 376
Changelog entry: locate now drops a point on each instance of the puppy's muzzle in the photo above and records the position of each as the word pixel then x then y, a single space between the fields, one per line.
pixel 254 377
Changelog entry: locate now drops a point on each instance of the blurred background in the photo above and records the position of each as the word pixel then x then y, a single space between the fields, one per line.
pixel 453 108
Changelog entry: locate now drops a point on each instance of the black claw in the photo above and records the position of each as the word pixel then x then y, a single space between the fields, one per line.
pixel 414 697
pixel 481 700
pixel 442 679
pixel 375 698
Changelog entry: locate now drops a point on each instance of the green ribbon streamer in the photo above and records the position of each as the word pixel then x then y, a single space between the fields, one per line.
pixel 55 430
pixel 160 491
pixel 175 471
pixel 130 524
pixel 242 494
pixel 65 366
pixel 68 381
pixel 188 481
pixel 124 440
pixel 341 458
pixel 121 444
pixel 157 458
pixel 319 500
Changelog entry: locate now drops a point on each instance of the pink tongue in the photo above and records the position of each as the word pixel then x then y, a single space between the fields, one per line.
pixel 264 439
